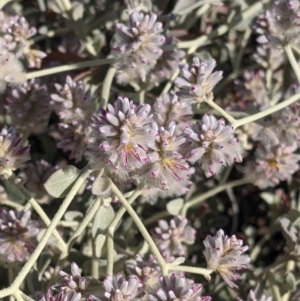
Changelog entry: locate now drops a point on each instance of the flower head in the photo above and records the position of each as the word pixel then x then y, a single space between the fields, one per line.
pixel 70 284
pixel 170 239
pixel 61 296
pixel 213 145
pixel 117 288
pixel 17 235
pixel 223 254
pixel 169 288
pixel 196 82
pixel 137 46
pixel 120 138
pixel 29 107
pixel 12 153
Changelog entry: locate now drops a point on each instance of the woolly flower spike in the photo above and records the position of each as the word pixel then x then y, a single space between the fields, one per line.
pixel 118 288
pixel 170 288
pixel 137 46
pixel 196 82
pixel 12 154
pixel 61 296
pixel 29 107
pixel 70 284
pixel 148 271
pixel 212 144
pixel 166 163
pixel 37 174
pixel 223 255
pixel 168 109
pixel 170 238
pixel 120 138
pixel 74 104
pixel 11 70
pixel 17 235
pixel 274 164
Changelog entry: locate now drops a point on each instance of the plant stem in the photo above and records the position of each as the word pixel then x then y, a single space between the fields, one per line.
pixel 156 217
pixel 112 227
pixel 293 62
pixel 12 204
pixel 25 297
pixel 201 198
pixel 201 271
pixel 68 67
pixel 221 111
pixel 107 85
pixel 266 112
pixel 141 228
pixel 3 3
pixel 61 211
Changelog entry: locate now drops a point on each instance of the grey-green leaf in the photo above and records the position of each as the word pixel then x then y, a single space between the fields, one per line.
pixel 59 183
pixel 173 207
pixel 103 218
pixel 99 243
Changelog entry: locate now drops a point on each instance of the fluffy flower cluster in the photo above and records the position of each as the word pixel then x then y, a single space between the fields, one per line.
pixel 17 235
pixel 170 239
pixel 175 288
pixel 223 254
pixel 16 32
pixel 212 144
pixel 12 153
pixel 29 107
pixel 137 46
pixel 74 106
pixel 197 81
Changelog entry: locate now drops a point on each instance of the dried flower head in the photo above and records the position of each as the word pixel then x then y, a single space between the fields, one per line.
pixel 120 138
pixel 29 107
pixel 213 145
pixel 74 105
pixel 148 271
pixel 168 109
pixel 274 164
pixel 171 239
pixel 223 254
pixel 117 288
pixel 137 46
pixel 70 284
pixel 11 68
pixel 12 153
pixel 17 235
pixel 37 174
pixel 169 288
pixel 196 82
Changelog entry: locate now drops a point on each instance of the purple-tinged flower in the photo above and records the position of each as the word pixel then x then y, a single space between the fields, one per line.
pixel 170 288
pixel 148 271
pixel 74 105
pixel 252 296
pixel 18 235
pixel 212 144
pixel 171 239
pixel 120 138
pixel 16 31
pixel 11 68
pixel 73 140
pixel 61 296
pixel 223 254
pixel 196 82
pixel 37 174
pixel 274 164
pixel 168 109
pixel 29 107
pixel 117 288
pixel 137 46
pixel 70 284
pixel 166 164
pixel 12 153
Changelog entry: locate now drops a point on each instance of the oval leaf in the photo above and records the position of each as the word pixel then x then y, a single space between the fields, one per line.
pixel 103 218
pixel 99 243
pixel 59 183
pixel 173 207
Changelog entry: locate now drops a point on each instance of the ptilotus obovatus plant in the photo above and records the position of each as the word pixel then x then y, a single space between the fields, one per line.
pixel 149 150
